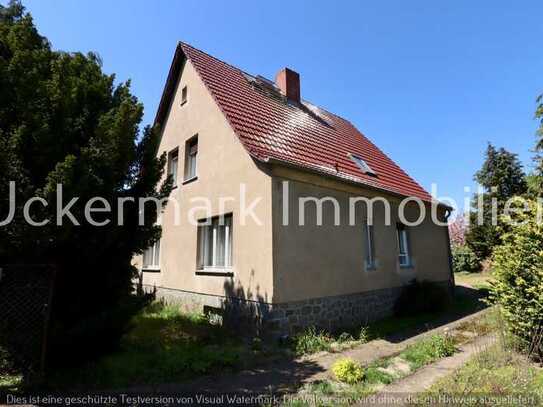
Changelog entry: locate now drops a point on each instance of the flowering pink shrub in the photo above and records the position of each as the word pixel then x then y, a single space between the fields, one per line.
pixel 457 231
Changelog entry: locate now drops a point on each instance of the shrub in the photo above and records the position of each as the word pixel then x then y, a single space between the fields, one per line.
pixel 6 364
pixel 464 259
pixel 348 371
pixel 95 335
pixel 363 334
pixel 518 272
pixel 311 341
pixel 345 337
pixel 420 297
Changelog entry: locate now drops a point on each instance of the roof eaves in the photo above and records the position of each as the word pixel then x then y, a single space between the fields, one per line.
pixel 344 178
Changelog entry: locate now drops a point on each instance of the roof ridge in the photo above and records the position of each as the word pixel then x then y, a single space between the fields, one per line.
pixel 272 131
pixel 214 57
pixel 254 75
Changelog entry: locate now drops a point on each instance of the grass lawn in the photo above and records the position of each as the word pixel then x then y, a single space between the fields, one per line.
pixel 475 280
pixel 10 381
pixel 9 377
pixel 312 341
pixel 164 346
pixel 377 374
pixel 498 371
pixel 390 369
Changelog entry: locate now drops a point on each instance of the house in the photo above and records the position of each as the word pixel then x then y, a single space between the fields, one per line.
pixel 262 156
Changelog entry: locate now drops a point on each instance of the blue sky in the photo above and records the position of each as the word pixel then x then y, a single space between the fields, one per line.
pixel 430 82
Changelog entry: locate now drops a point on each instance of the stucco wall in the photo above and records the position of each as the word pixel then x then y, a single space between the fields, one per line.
pixel 317 261
pixel 222 165
pixel 271 262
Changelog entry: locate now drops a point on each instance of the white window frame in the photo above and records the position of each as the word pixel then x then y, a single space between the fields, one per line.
pixel 212 225
pixel 189 158
pixel 155 266
pixel 370 261
pixel 404 258
pixel 174 171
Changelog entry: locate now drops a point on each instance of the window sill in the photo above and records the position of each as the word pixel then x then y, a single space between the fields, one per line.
pixel 189 180
pixel 406 266
pixel 219 272
pixel 151 269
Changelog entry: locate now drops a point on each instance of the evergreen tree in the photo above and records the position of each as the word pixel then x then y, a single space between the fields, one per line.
pixel 501 178
pixel 63 121
pixel 537 184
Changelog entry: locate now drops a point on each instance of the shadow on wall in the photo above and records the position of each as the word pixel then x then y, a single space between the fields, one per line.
pixel 244 308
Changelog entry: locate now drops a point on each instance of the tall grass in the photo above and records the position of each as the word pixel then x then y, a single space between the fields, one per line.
pixel 164 345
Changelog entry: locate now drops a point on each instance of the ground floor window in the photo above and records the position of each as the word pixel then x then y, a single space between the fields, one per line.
pixel 370 249
pixel 403 246
pixel 215 243
pixel 151 257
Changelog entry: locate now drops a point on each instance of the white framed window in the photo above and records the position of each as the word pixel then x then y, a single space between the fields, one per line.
pixel 364 167
pixel 191 155
pixel 151 257
pixel 215 243
pixel 173 163
pixel 184 95
pixel 370 246
pixel 404 256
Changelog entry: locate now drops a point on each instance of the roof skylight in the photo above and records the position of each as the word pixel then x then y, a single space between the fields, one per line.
pixel 364 167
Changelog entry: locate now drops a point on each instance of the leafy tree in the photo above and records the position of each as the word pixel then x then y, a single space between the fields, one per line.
pixel 537 182
pixel 518 272
pixel 502 178
pixel 458 230
pixel 464 259
pixel 63 121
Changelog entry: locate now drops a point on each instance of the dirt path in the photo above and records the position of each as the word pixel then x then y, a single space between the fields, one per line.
pixel 424 378
pixel 287 376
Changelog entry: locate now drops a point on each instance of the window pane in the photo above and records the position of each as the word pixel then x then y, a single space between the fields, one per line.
pixel 199 248
pixel 174 170
pixel 172 165
pixel 147 254
pixel 192 166
pixel 156 261
pixel 191 152
pixel 402 241
pixel 193 147
pixel 403 246
pixel 215 242
pixel 228 241
pixel 221 240
pixel 369 245
pixel 362 164
pixel 208 246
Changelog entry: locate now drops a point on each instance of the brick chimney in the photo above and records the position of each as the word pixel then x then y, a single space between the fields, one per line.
pixel 288 82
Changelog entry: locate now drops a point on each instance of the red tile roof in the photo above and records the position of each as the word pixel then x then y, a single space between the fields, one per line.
pixel 301 135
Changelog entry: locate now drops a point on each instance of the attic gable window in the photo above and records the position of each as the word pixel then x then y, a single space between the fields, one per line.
pixel 191 154
pixel 173 159
pixel 364 167
pixel 184 95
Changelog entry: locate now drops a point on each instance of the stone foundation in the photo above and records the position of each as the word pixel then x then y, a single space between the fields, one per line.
pixel 259 318
pixel 331 313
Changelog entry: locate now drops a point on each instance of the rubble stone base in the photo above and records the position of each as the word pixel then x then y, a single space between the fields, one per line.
pixel 260 318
